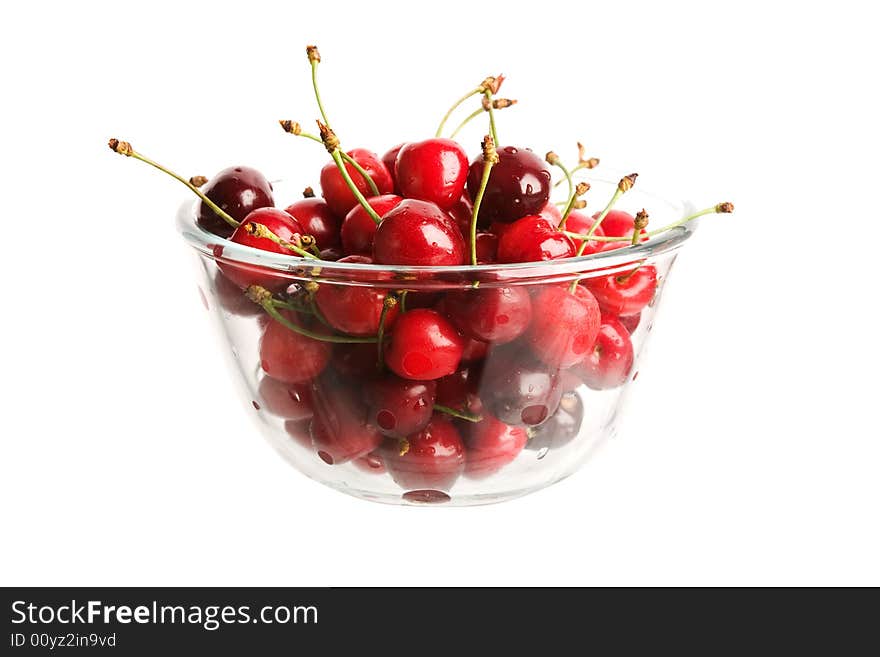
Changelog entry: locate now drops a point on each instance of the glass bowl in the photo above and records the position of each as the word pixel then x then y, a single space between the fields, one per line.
pixel 518 414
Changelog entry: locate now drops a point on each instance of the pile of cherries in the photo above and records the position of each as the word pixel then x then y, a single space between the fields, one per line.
pixel 426 385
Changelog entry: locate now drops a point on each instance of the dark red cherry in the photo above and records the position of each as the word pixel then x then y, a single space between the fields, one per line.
pixel 618 223
pixel 390 160
pixel 519 185
pixel 280 223
pixel 355 361
pixel 474 350
pixel 624 293
pixel 519 390
pixel 358 228
pixel 336 192
pixel 332 254
pixel 562 427
pixel 353 309
pixel 232 298
pixel 289 356
pixel 418 233
pixel 462 212
pixel 399 407
pixel 495 315
pixel 578 222
pixel 238 191
pixel 339 428
pixel 491 444
pixel 459 389
pixel 317 220
pixel 424 346
pixel 431 459
pixel 487 248
pixel 432 170
pixel 631 322
pixel 532 239
pixel 564 325
pixel 611 359
pixel 291 401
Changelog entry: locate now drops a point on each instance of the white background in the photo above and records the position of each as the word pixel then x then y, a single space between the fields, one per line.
pixel 749 454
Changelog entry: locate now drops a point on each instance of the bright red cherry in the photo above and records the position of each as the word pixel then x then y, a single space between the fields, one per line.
pixel 432 170
pixel 618 223
pixel 624 293
pixel 280 223
pixel 238 191
pixel 339 429
pixel 390 161
pixel 564 325
pixel 418 233
pixel 291 401
pixel 611 359
pixel 519 390
pixel 578 222
pixel 289 356
pixel 354 309
pixel 317 220
pixel 491 444
pixel 431 459
pixel 359 229
pixel 424 346
pixel 551 213
pixel 336 192
pixel 519 185
pixel 631 322
pixel 399 407
pixel 532 239
pixel 495 315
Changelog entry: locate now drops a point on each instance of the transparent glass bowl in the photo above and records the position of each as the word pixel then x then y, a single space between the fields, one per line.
pixel 456 463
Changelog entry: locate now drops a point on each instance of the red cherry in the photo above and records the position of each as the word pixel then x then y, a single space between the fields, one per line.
pixel 517 389
pixel 286 400
pixel 238 191
pixel 459 389
pixel 487 248
pixel 289 356
pixel 354 309
pixel 358 228
pixel 336 192
pixel 519 185
pixel 418 233
pixel 631 322
pixel 232 299
pixel 565 325
pixel 433 170
pixel 495 315
pixel 474 350
pixel 317 220
pixel 491 444
pixel 390 161
pixel 424 346
pixel 339 429
pixel 399 407
pixel 624 293
pixel 610 360
pixel 462 212
pixel 618 223
pixel 532 239
pixel 578 222
pixel 280 223
pixel 551 213
pixel 355 360
pixel 432 459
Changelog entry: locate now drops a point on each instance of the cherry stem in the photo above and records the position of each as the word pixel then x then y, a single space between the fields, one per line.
pixel 490 157
pixel 462 415
pixel 337 157
pixel 455 105
pixel 721 208
pixel 314 60
pixel 402 301
pixel 263 297
pixel 262 231
pixel 467 120
pixel 489 108
pixel 124 148
pixel 555 160
pixel 295 130
pixel 389 302
pixel 625 277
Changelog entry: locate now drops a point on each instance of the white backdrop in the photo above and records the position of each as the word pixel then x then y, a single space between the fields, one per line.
pixel 749 454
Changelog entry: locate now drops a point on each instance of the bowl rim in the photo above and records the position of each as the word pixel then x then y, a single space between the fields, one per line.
pixel 224 250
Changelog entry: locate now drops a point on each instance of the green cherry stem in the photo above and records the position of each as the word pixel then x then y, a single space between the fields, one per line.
pixel 623 186
pixel 455 106
pixel 489 105
pixel 262 297
pixel 467 120
pixel 331 143
pixel 490 158
pixel 124 148
pixel 294 128
pixel 462 415
pixel 261 231
pixel 315 59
